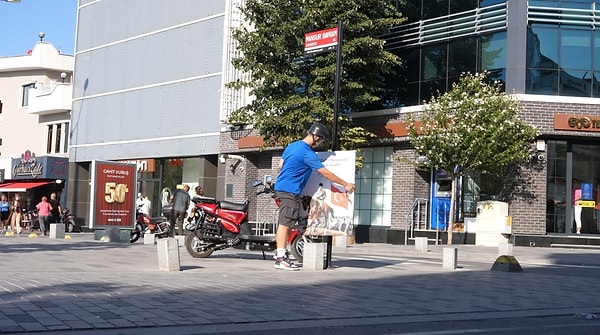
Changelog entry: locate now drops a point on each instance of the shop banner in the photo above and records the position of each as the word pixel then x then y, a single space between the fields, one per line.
pixel 113 194
pixel 330 208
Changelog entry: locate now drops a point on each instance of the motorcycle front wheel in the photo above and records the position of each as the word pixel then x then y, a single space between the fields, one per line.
pixel 69 226
pixel 136 233
pixel 197 247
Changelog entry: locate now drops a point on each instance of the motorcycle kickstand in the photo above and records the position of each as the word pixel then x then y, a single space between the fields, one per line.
pixel 264 256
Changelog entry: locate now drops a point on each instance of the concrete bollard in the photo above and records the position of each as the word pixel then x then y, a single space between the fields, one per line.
pixel 313 256
pixel 505 249
pixel 57 230
pixel 449 258
pixel 180 240
pixel 421 244
pixel 149 238
pixel 340 242
pixel 112 234
pixel 168 254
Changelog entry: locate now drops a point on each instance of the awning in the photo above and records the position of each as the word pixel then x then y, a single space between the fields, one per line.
pixel 21 187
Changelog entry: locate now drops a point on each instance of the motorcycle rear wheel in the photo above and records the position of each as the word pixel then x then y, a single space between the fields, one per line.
pixel 191 245
pixel 298 248
pixel 69 226
pixel 136 233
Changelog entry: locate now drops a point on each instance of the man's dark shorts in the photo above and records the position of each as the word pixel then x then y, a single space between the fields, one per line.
pixel 289 208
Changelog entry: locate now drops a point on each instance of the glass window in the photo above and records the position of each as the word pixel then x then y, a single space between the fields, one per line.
pixel 58 138
pixel 432 88
pixel 556 195
pixel 435 61
pixel 541 81
pixel 462 6
pixel 542 51
pixel 26 90
pixel 596 51
pixel 492 51
pixel 66 142
pixel 462 56
pixel 576 49
pixel 49 139
pixel 373 200
pixel 434 8
pixel 485 3
pixel 575 83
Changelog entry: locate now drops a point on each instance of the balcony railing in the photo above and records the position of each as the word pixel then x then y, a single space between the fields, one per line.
pixel 51 99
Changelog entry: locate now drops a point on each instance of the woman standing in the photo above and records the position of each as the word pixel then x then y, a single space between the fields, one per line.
pixel 4 211
pixel 44 208
pixel 576 207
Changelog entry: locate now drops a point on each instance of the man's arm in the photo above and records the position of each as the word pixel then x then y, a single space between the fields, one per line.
pixel 334 178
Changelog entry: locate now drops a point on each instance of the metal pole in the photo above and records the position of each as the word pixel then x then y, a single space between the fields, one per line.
pixel 336 96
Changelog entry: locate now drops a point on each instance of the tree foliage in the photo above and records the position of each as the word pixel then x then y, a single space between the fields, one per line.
pixel 290 90
pixel 473 127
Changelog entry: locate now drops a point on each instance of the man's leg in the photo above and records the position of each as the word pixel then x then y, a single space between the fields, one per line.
pixel 172 220
pixel 180 217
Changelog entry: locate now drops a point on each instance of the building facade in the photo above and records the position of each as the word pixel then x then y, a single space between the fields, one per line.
pixel 153 87
pixel 148 91
pixel 35 105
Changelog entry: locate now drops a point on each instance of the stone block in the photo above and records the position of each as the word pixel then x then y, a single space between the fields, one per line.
pixel 340 242
pixel 314 254
pixel 168 254
pixel 57 230
pixel 505 249
pixel 149 238
pixel 450 258
pixel 112 234
pixel 421 244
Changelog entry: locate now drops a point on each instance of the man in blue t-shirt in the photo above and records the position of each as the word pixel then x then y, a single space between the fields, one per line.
pixel 297 163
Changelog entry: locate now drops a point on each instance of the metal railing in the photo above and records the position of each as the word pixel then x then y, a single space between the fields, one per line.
pixel 416 218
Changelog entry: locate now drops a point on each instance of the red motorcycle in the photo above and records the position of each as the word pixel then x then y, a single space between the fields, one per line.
pixel 218 225
pixel 160 226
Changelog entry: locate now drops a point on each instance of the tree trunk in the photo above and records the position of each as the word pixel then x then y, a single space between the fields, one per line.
pixel 450 228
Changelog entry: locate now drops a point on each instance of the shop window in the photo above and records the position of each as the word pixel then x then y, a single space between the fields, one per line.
pixel 373 199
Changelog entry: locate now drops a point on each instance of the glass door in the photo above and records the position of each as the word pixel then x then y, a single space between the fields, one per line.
pixel 571 164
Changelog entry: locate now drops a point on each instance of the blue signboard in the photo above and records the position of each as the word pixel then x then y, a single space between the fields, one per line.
pixel 587 191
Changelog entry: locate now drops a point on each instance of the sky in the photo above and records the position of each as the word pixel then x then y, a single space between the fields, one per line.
pixel 20 24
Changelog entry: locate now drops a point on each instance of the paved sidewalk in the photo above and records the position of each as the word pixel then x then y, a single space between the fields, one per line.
pixel 82 286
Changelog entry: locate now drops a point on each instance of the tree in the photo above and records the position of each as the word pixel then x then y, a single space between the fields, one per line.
pixel 290 90
pixel 473 127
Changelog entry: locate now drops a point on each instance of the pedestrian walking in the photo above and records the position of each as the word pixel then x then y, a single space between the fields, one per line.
pixel 44 210
pixel 297 163
pixel 16 215
pixel 4 211
pixel 55 214
pixel 181 203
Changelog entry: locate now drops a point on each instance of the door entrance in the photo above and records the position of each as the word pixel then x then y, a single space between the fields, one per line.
pixel 573 170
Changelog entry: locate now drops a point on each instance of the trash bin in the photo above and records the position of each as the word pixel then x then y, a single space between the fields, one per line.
pixel 493 225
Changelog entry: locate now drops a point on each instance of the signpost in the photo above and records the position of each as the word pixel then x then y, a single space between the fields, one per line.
pixel 324 41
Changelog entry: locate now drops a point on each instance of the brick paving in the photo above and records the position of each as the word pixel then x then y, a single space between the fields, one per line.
pixel 83 285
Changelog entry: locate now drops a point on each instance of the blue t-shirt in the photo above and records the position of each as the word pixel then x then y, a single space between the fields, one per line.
pixel 4 206
pixel 299 161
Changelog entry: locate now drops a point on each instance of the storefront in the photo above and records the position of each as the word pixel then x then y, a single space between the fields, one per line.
pixel 33 177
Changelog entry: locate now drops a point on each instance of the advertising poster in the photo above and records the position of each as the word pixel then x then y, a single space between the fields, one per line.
pixel 113 194
pixel 331 208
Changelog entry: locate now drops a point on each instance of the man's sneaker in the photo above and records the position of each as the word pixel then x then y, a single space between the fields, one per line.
pixel 284 263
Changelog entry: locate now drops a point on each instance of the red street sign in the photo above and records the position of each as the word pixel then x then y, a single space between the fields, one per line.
pixel 320 41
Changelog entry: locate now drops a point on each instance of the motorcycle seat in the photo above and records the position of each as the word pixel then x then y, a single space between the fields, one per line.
pixel 203 200
pixel 236 206
pixel 158 219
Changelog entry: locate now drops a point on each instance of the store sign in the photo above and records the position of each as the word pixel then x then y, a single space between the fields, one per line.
pixel 113 194
pixel 143 165
pixel 27 166
pixel 30 166
pixel 576 122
